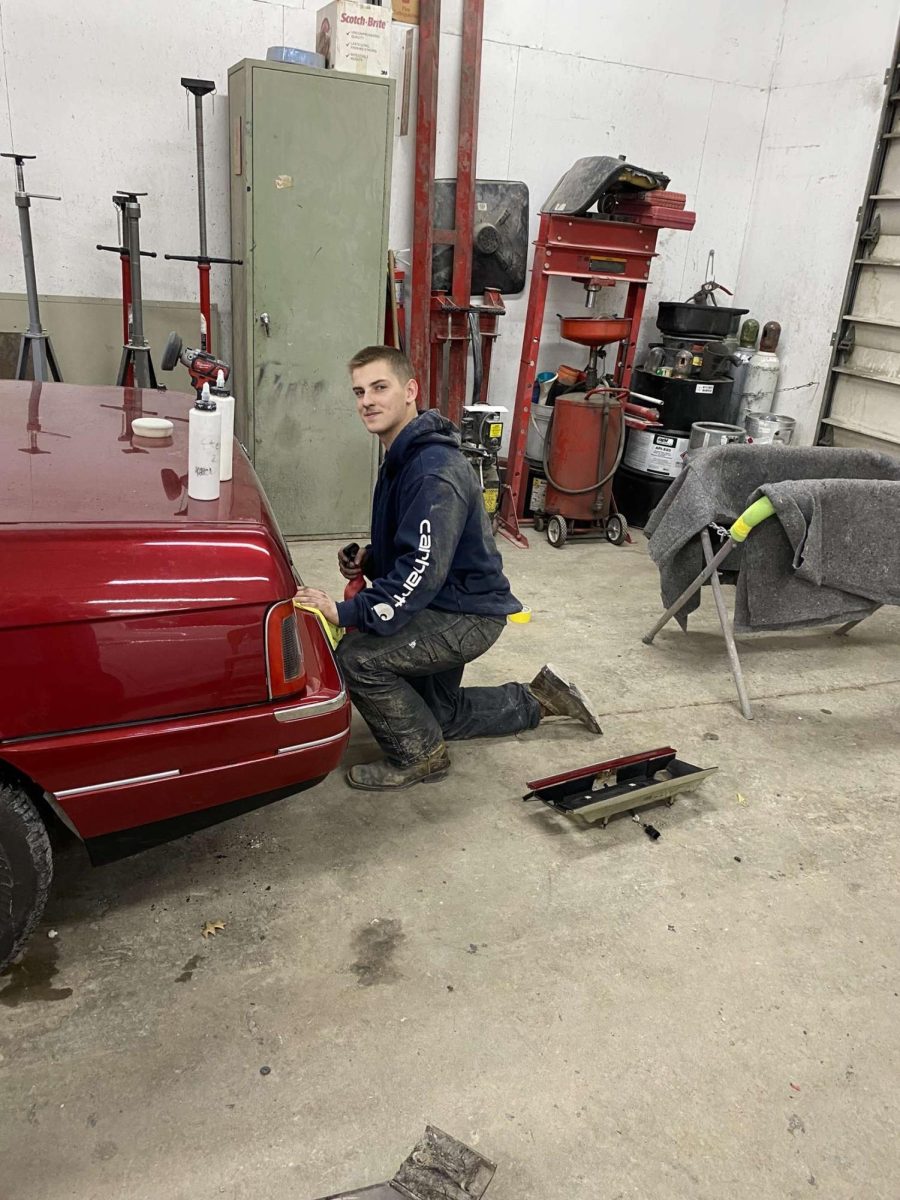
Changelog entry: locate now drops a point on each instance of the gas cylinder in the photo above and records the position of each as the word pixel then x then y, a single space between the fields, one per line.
pixel 585 444
pixel 761 378
pixel 745 351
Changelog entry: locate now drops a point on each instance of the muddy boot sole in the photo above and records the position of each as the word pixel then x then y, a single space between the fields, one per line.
pixel 559 698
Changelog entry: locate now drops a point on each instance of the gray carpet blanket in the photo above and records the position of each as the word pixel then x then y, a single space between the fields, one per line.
pixel 831 553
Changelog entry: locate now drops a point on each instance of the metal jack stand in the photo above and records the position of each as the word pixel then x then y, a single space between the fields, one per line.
pixel 125 258
pixel 136 367
pixel 198 89
pixel 34 339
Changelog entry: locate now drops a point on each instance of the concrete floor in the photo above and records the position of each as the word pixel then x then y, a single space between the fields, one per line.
pixel 711 1015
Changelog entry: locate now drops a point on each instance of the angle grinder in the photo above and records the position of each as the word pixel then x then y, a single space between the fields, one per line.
pixel 202 366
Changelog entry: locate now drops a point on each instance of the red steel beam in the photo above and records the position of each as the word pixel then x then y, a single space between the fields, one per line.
pixel 464 220
pixel 423 199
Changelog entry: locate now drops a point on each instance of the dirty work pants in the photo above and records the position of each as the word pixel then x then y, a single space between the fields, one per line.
pixel 407 685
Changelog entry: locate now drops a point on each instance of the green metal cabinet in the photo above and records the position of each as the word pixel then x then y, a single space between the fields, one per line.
pixel 310 192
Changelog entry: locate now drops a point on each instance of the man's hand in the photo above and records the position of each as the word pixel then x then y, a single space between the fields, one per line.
pixel 316 598
pixel 352 568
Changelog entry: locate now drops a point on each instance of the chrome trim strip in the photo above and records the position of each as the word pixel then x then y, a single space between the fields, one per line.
pixel 114 783
pixel 318 709
pixel 335 737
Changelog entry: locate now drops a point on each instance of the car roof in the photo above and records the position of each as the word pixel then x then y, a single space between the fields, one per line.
pixel 68 457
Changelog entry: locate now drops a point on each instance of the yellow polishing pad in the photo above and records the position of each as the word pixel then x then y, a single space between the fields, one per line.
pixel 332 632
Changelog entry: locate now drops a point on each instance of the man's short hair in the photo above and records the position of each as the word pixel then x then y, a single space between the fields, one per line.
pixel 397 361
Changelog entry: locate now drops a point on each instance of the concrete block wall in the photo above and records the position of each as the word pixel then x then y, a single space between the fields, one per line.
pixel 691 87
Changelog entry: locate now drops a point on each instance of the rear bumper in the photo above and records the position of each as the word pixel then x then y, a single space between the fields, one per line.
pixel 108 780
pixel 116 779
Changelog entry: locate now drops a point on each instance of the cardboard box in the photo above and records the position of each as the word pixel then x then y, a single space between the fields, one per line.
pixel 406 11
pixel 355 37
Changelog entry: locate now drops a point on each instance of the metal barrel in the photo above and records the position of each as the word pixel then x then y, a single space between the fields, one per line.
pixel 765 428
pixel 714 433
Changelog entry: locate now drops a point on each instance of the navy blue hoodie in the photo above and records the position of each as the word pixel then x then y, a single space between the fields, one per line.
pixel 432 545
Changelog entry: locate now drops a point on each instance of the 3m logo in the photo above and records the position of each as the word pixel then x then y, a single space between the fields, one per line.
pixel 422 563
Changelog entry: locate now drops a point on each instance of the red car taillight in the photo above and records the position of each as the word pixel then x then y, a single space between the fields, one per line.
pixel 284 656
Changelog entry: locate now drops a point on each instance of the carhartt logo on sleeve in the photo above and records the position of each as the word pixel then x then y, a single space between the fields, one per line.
pixel 414 578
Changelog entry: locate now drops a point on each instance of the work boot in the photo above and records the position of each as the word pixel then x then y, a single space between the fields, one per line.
pixel 384 776
pixel 559 698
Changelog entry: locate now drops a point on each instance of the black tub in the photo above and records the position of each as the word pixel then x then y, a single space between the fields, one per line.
pixel 706 320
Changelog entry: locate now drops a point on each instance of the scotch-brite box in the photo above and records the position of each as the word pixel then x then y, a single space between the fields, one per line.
pixel 355 37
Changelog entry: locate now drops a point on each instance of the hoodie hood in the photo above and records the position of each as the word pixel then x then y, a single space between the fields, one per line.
pixel 427 429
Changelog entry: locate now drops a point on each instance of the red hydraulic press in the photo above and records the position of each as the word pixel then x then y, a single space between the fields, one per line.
pixel 598 227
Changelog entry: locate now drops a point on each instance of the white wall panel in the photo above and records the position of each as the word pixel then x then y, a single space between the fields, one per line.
pixel 831 39
pixel 725 40
pixel 810 179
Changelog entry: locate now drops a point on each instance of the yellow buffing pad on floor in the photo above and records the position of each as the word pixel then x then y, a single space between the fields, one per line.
pixel 521 618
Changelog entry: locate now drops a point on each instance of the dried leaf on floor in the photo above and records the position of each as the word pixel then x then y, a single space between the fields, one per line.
pixel 211 928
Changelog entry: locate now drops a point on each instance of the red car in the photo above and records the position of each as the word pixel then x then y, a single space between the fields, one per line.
pixel 156 676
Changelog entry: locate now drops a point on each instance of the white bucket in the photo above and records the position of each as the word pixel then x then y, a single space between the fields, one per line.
pixel 537 431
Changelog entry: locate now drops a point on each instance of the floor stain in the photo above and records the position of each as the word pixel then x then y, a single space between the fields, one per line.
pixel 104 1151
pixel 375 945
pixel 187 971
pixel 29 979
pixel 795 1124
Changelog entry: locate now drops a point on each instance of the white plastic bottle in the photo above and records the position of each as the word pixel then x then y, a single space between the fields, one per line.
pixel 225 404
pixel 204 448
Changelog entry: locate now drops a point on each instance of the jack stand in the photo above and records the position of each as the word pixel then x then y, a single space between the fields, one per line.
pixel 136 367
pixel 125 259
pixel 198 89
pixel 34 340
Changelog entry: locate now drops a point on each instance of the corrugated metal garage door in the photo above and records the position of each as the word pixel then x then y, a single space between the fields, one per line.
pixel 862 396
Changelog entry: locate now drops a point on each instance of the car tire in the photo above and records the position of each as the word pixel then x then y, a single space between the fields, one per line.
pixel 26 869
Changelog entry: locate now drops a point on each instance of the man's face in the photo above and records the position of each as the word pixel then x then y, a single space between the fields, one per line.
pixel 384 403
